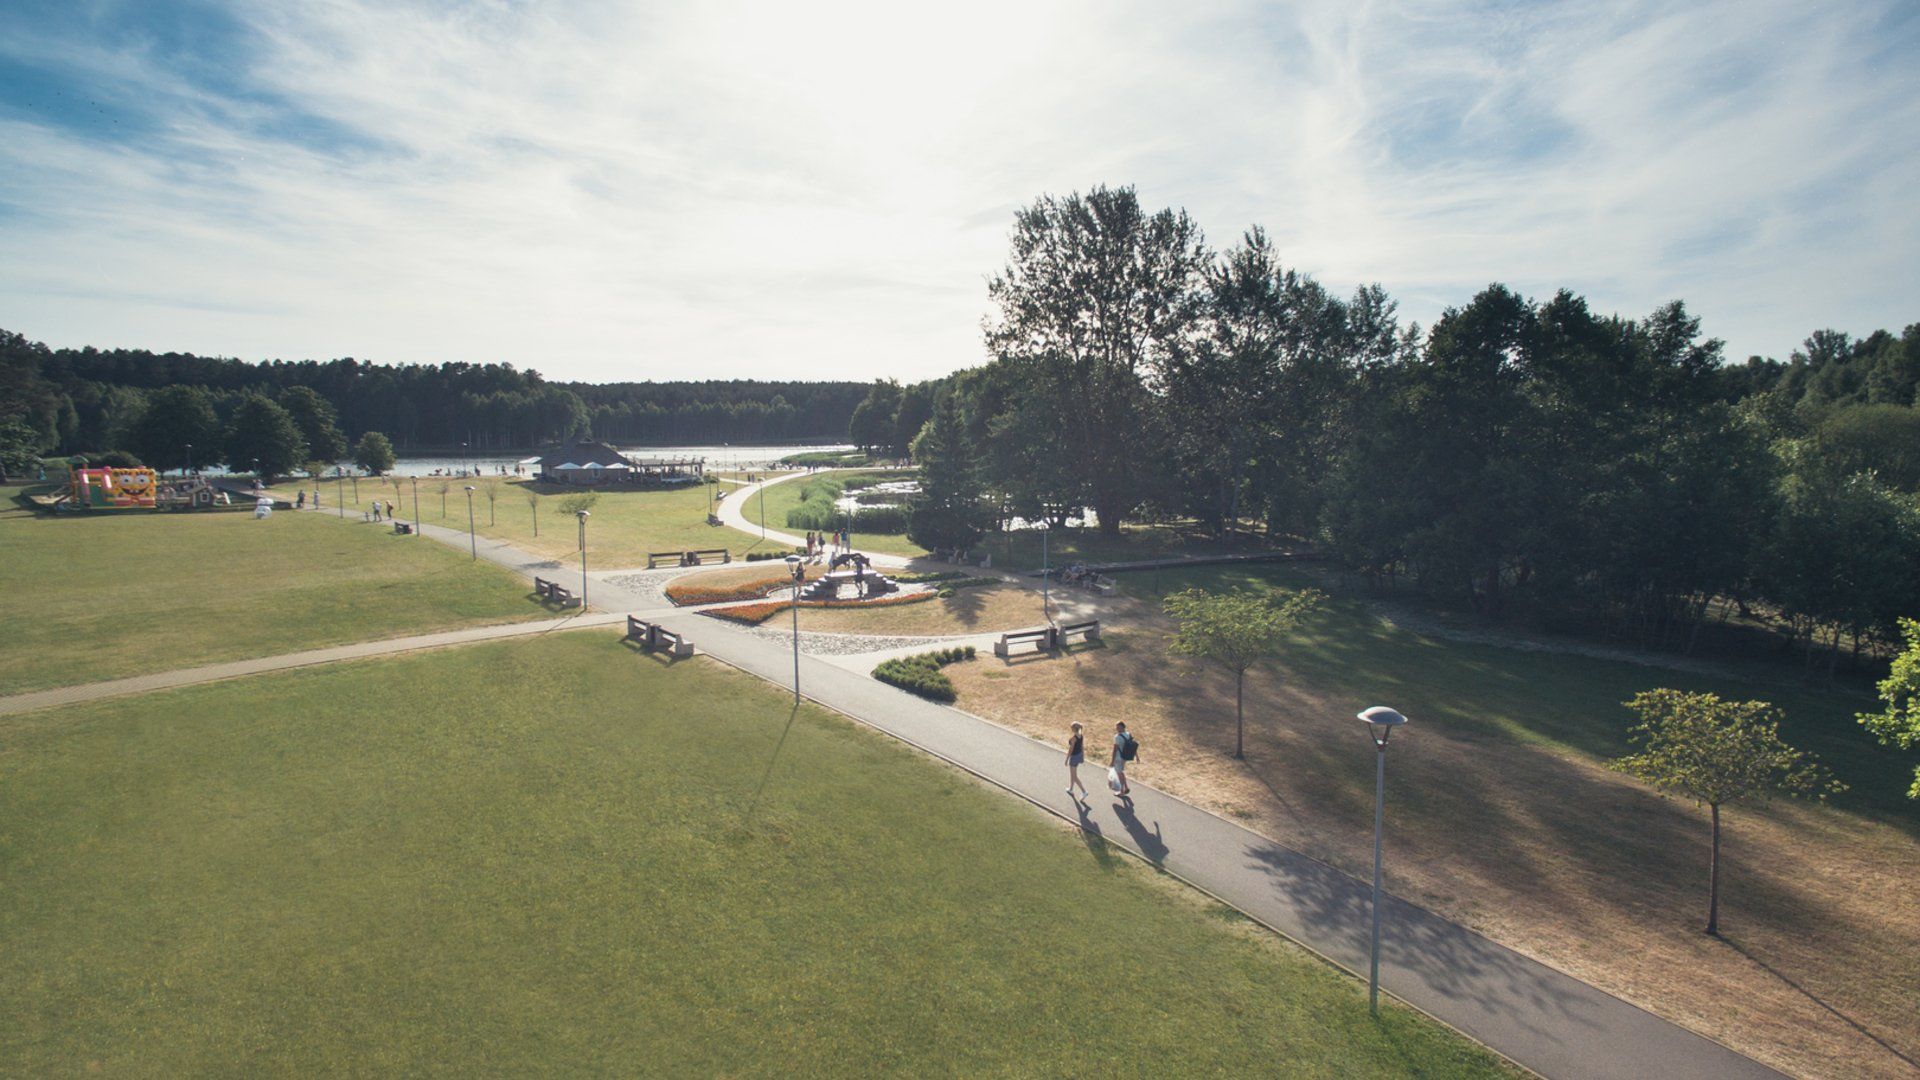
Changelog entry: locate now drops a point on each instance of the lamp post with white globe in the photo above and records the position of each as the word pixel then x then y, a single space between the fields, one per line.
pixel 1380 722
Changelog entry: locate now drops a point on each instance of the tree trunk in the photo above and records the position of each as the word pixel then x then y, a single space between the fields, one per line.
pixel 536 524
pixel 1240 713
pixel 1713 878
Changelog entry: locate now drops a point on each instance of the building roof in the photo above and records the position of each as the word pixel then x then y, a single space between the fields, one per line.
pixel 584 450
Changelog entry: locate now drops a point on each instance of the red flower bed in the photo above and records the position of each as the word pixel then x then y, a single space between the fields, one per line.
pixel 718 594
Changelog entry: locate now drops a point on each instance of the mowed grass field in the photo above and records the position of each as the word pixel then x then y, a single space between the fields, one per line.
pixel 622 528
pixel 85 598
pixel 1503 815
pixel 556 856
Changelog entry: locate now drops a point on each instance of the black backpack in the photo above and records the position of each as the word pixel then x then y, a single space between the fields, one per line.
pixel 1130 749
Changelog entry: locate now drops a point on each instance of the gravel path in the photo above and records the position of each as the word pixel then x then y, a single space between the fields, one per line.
pixel 815 643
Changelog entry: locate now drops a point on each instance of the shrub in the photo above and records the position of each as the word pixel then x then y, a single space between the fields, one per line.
pixel 921 674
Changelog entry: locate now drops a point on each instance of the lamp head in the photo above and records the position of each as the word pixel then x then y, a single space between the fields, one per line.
pixel 1380 722
pixel 469 487
pixel 582 514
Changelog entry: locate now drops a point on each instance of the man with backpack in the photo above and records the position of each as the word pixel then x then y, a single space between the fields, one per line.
pixel 1125 748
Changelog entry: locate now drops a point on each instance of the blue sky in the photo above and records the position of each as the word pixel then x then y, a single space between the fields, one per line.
pixel 626 191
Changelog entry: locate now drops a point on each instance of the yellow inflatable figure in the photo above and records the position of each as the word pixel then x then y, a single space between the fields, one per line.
pixel 114 489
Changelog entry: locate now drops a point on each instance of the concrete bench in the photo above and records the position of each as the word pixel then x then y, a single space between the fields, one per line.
pixel 653 636
pixel 1088 631
pixel 1042 638
pixel 654 558
pixel 700 558
pixel 553 592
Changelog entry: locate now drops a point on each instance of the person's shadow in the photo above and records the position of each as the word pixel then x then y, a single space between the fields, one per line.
pixel 1149 843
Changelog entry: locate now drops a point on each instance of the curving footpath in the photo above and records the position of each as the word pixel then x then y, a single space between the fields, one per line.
pixel 1541 1018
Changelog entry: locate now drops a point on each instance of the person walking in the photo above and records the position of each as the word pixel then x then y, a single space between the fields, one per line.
pixel 300 501
pixel 1125 749
pixel 389 509
pixel 1076 755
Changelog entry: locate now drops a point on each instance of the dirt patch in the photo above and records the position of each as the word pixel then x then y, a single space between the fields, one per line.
pixel 1541 848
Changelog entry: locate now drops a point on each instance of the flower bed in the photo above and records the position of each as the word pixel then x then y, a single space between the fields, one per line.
pixel 755 614
pixel 684 594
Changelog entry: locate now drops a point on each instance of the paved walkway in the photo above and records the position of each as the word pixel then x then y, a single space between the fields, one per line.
pixel 1546 1020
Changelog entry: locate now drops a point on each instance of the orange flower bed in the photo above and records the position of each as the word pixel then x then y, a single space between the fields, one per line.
pixel 755 614
pixel 711 594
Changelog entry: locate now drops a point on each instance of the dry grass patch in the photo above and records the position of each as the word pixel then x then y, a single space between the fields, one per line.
pixel 1521 837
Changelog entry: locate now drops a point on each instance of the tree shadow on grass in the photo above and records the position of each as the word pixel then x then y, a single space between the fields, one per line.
pixel 1817 1000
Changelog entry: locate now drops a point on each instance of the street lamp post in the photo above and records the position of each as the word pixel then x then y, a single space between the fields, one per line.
pixel 356 488
pixel 1380 722
pixel 1046 573
pixel 415 481
pixel 463 459
pixel 799 573
pixel 472 544
pixel 583 515
pixel 189 459
pixel 763 509
pixel 340 493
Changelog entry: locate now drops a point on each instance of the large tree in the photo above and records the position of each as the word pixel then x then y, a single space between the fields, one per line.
pixel 263 439
pixel 374 453
pixel 177 428
pixel 1237 630
pixel 1097 296
pixel 1898 722
pixel 1718 753
pixel 318 422
pixel 948 511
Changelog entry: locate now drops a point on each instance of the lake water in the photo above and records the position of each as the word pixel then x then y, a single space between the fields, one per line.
pixel 718 457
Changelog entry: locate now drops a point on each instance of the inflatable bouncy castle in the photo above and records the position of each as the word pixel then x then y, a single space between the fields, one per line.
pixel 112 489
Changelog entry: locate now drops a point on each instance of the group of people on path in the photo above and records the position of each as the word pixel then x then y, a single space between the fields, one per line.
pixel 1126 749
pixel 823 544
pixel 377 507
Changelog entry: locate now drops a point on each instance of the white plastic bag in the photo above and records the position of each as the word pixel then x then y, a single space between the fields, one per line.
pixel 1113 779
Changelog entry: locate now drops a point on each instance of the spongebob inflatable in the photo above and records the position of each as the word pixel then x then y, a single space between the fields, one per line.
pixel 112 489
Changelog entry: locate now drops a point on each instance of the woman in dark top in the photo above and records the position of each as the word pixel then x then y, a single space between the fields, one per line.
pixel 1076 753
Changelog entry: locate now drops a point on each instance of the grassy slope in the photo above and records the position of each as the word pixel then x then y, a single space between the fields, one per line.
pixel 86 598
pixel 623 528
pixel 783 497
pixel 1502 814
pixel 566 858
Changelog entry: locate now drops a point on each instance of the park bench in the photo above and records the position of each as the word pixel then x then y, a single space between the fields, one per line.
pixel 1042 638
pixel 1088 631
pixel 654 558
pixel 403 528
pixel 698 558
pixel 553 592
pixel 653 636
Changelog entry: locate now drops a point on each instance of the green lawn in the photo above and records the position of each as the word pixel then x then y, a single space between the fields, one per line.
pixel 556 856
pixel 91 597
pixel 623 527
pixel 781 498
pixel 1556 700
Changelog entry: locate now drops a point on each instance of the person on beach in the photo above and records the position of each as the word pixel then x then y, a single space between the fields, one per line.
pixel 1076 755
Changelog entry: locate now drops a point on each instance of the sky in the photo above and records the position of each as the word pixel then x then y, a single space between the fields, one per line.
pixel 614 191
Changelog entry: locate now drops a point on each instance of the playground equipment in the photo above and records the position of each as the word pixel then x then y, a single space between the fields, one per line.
pixel 111 489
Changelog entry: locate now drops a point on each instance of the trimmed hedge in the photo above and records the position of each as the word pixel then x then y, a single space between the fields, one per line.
pixel 921 674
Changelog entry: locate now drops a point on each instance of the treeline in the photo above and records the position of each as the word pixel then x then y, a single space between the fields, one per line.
pixel 1527 457
pixel 87 400
pixel 738 410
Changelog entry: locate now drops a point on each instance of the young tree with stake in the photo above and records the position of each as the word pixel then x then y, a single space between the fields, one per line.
pixel 1237 630
pixel 1718 753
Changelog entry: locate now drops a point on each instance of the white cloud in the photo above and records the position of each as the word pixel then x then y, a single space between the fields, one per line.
pixel 821 190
